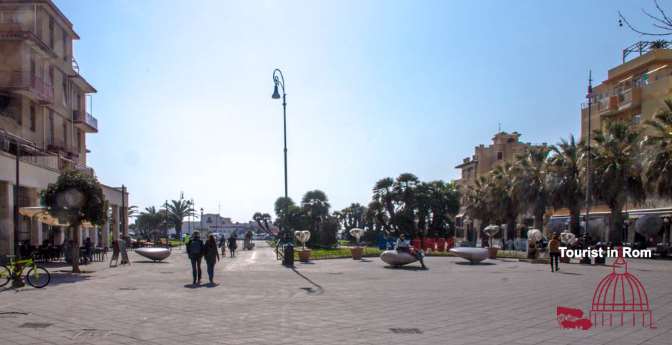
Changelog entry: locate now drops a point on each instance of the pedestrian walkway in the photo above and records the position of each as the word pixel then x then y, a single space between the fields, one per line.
pixel 257 301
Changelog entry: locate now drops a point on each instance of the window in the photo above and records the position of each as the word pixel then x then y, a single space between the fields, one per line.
pixel 51 32
pixel 51 127
pixel 65 133
pixel 79 140
pixel 65 89
pixel 51 75
pixel 636 119
pixel 33 119
pixel 65 45
pixel 500 155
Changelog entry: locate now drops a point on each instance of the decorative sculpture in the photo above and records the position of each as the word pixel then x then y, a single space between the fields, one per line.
pixel 396 259
pixel 303 236
pixel 491 231
pixel 357 252
pixel 154 254
pixel 473 255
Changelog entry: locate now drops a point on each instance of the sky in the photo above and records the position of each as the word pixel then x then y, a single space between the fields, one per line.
pixel 374 89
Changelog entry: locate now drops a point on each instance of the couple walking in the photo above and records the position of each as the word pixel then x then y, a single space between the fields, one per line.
pixel 197 250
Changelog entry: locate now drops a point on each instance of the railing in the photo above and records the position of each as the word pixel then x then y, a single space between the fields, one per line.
pixel 85 118
pixel 25 29
pixel 47 162
pixel 25 80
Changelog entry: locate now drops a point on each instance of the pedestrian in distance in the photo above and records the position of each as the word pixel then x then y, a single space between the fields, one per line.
pixel 195 248
pixel 88 250
pixel 211 254
pixel 233 244
pixel 554 251
pixel 222 244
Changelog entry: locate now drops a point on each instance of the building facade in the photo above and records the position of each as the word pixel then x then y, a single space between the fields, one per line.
pixel 505 147
pixel 632 93
pixel 43 120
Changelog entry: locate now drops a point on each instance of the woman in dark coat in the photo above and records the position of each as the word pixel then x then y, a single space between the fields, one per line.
pixel 211 254
pixel 233 244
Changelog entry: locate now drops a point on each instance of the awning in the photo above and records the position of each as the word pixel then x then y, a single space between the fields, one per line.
pixel 43 216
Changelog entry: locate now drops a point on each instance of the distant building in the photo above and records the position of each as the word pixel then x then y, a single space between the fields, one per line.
pixel 215 223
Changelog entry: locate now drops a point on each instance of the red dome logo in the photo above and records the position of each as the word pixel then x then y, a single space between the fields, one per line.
pixel 619 298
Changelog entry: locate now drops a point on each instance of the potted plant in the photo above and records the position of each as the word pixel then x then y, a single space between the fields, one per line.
pixel 491 230
pixel 303 236
pixel 357 251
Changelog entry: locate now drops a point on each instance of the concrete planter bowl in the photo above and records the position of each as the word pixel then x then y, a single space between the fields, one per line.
pixel 397 259
pixel 154 254
pixel 473 255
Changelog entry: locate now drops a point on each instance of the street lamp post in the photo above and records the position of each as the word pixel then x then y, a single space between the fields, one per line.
pixel 279 80
pixel 201 218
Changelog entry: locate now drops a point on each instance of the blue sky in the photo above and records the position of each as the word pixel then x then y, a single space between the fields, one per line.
pixel 375 88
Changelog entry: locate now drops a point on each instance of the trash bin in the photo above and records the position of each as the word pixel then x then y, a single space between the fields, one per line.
pixel 288 255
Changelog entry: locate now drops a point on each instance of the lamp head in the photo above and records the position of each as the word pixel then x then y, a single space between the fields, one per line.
pixel 276 94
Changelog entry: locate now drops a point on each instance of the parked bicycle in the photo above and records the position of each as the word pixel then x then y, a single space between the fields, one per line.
pixel 36 276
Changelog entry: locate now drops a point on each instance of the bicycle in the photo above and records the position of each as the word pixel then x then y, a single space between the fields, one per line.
pixel 36 276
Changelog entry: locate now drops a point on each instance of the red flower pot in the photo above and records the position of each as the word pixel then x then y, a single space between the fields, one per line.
pixel 450 243
pixel 429 244
pixel 416 244
pixel 441 244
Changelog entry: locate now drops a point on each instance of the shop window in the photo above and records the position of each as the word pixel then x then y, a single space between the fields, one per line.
pixel 500 155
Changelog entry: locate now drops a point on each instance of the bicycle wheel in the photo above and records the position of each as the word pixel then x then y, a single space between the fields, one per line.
pixel 38 277
pixel 5 275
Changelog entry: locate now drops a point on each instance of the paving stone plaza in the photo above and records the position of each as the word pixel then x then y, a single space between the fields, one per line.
pixel 342 301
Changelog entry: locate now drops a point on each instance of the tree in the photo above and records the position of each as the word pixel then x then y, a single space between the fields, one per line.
pixel 76 198
pixel 529 182
pixel 502 199
pixel 616 172
pixel 149 221
pixel 353 216
pixel 661 22
pixel 565 186
pixel 315 207
pixel 263 220
pixel 444 204
pixel 658 143
pixel 288 216
pixel 177 211
pixel 476 200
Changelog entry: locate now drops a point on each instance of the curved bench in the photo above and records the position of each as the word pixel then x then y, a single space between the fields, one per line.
pixel 154 254
pixel 396 259
pixel 473 255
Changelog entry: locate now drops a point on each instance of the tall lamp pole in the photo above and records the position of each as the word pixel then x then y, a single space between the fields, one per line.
pixel 590 106
pixel 201 218
pixel 279 80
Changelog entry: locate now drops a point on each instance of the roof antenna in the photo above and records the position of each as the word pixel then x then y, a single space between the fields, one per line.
pixel 499 127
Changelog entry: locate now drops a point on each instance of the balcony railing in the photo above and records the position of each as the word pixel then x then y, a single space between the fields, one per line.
pixel 19 80
pixel 23 30
pixel 87 121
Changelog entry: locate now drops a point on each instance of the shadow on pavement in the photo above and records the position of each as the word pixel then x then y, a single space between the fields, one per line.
pixel 150 262
pixel 477 264
pixel 406 268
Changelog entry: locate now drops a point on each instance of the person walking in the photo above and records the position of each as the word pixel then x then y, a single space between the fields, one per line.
pixel 222 244
pixel 195 253
pixel 554 251
pixel 88 250
pixel 211 254
pixel 233 244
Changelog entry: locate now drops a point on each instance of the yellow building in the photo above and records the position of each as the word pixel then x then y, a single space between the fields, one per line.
pixel 633 93
pixel 43 102
pixel 505 147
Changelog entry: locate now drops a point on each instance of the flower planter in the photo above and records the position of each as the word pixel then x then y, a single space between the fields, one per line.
pixel 450 243
pixel 441 245
pixel 492 252
pixel 304 255
pixel 416 244
pixel 357 252
pixel 428 244
pixel 564 259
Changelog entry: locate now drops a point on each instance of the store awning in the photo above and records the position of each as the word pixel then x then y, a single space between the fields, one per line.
pixel 43 216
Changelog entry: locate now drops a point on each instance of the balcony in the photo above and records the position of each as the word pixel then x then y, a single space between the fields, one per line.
pixel 85 121
pixel 26 83
pixel 24 31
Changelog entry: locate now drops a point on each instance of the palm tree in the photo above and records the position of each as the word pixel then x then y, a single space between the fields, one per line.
pixel 565 186
pixel 263 220
pixel 149 221
pixel 177 211
pixel 659 156
pixel 502 200
pixel 476 201
pixel 617 172
pixel 529 181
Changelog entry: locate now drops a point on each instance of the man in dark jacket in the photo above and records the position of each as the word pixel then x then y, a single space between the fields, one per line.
pixel 195 249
